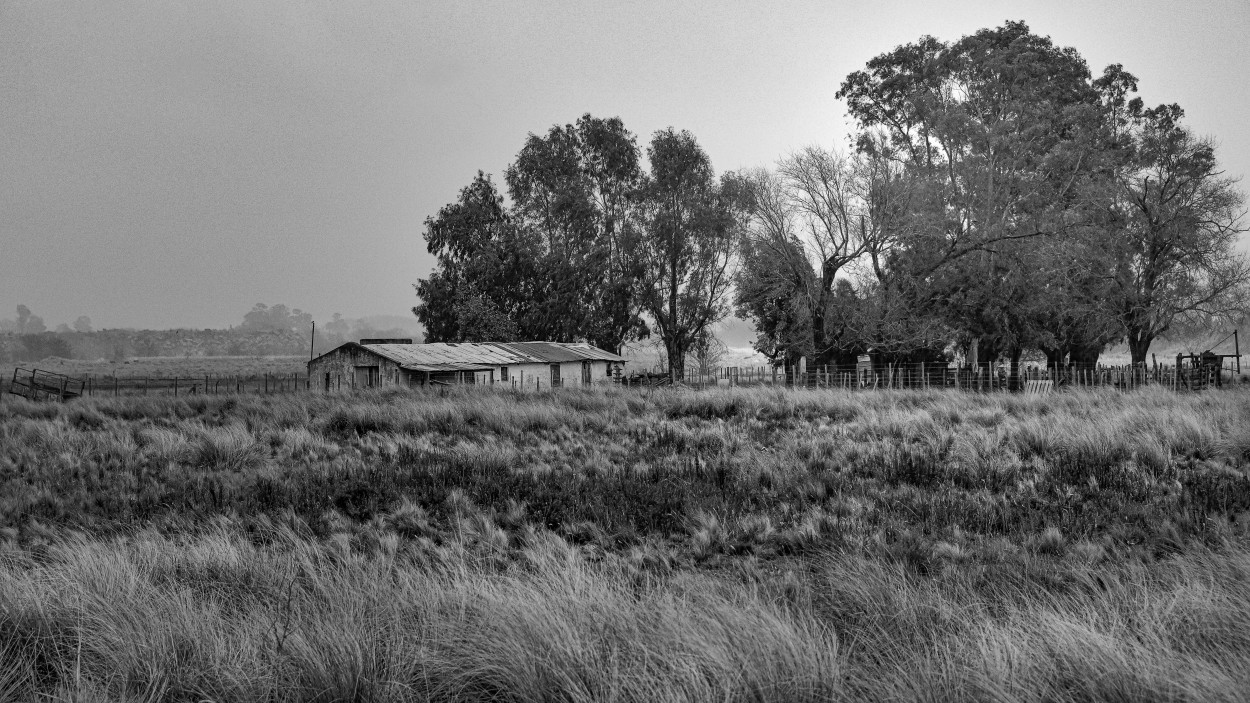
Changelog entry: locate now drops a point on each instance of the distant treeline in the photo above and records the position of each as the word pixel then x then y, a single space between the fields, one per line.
pixel 122 344
pixel 265 331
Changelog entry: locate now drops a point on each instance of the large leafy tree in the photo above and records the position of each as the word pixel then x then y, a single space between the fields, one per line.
pixel 486 277
pixel 691 228
pixel 1001 123
pixel 1004 137
pixel 1176 225
pixel 556 264
pixel 1068 299
pixel 1004 201
pixel 575 189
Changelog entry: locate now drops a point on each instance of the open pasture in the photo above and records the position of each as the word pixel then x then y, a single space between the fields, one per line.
pixel 728 544
pixel 167 366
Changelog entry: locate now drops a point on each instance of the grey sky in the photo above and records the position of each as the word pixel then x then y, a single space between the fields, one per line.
pixel 169 164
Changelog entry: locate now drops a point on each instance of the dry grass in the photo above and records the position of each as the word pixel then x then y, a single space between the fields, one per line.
pixel 168 366
pixel 721 545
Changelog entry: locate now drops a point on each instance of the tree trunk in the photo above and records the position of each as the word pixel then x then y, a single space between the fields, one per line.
pixel 676 360
pixel 818 334
pixel 1055 357
pixel 1139 345
pixel 987 352
pixel 1013 381
pixel 1085 358
pixel 819 331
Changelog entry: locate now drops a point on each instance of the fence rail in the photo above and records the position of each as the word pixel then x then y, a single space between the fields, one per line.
pixel 210 384
pixel 987 377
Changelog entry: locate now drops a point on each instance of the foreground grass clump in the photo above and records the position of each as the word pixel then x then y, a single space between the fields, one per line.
pixel 719 545
pixel 217 617
pixel 237 613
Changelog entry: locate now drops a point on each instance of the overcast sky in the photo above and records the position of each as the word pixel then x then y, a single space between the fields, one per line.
pixel 170 164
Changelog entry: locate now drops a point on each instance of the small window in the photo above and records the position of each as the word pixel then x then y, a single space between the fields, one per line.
pixel 503 373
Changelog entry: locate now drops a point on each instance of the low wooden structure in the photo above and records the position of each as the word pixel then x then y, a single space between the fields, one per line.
pixel 1207 369
pixel 36 384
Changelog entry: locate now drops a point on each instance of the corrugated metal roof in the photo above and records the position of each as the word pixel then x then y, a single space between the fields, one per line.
pixel 555 352
pixel 466 356
pixel 448 367
pixel 462 356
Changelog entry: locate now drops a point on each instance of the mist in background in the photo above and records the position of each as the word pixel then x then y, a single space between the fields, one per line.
pixel 168 164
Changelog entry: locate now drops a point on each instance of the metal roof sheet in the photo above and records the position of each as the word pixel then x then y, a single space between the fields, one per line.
pixel 463 355
pixel 471 355
pixel 561 351
pixel 447 367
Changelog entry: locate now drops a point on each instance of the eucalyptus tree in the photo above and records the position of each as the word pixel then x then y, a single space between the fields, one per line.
pixel 486 278
pixel 556 262
pixel 576 191
pixel 691 227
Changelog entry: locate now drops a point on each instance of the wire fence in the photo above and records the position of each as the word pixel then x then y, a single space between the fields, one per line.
pixel 984 377
pixel 859 377
pixel 180 385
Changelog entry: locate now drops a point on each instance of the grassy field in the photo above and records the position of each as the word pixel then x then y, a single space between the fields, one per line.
pixel 732 544
pixel 168 366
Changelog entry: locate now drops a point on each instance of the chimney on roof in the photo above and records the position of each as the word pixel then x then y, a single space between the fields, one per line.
pixel 386 341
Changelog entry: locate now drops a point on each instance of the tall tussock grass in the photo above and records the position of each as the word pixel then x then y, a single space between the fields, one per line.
pixel 728 544
pixel 217 617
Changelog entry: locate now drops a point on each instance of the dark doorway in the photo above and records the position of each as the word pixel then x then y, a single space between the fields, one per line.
pixel 555 375
pixel 368 377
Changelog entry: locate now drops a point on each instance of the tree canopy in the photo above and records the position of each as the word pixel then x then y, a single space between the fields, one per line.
pixel 588 246
pixel 554 263
pixel 997 198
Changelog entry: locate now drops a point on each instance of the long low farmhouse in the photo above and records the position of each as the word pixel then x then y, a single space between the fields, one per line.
pixel 372 363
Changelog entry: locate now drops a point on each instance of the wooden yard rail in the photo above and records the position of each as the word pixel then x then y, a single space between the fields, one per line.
pixel 35 384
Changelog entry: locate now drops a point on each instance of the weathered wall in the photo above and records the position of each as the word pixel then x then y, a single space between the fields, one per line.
pixel 570 374
pixel 341 365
